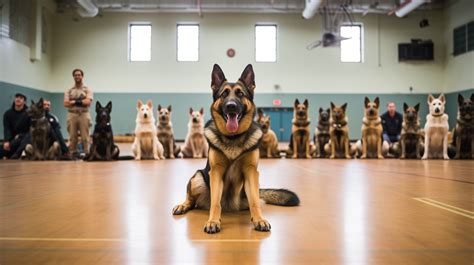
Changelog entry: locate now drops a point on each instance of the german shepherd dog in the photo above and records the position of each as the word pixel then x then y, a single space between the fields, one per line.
pixel 269 146
pixel 299 146
pixel 338 145
pixel 42 147
pixel 436 129
pixel 230 181
pixel 411 140
pixel 371 130
pixel 195 145
pixel 166 134
pixel 321 133
pixel 103 146
pixel 463 138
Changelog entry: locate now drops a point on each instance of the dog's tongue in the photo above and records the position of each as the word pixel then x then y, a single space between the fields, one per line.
pixel 232 123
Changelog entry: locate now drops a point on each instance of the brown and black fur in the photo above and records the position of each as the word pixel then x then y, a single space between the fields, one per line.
pixel 463 138
pixel 299 146
pixel 103 147
pixel 321 133
pixel 231 171
pixel 166 134
pixel 269 145
pixel 42 146
pixel 371 130
pixel 338 146
pixel 410 145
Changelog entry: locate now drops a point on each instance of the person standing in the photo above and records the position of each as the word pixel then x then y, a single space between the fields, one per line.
pixel 78 100
pixel 392 124
pixel 12 132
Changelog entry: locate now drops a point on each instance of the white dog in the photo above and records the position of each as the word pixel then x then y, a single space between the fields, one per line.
pixel 436 129
pixel 146 144
pixel 195 145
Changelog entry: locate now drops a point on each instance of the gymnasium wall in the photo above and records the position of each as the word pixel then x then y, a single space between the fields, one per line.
pixel 459 70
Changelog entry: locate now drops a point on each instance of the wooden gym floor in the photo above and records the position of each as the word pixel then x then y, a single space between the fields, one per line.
pixel 352 212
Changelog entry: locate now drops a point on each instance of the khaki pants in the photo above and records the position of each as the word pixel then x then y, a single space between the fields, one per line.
pixel 78 121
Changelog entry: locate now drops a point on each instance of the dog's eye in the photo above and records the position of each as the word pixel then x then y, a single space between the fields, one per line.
pixel 239 93
pixel 225 93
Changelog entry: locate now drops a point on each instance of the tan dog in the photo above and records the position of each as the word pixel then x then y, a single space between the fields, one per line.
pixel 146 144
pixel 166 134
pixel 195 145
pixel 300 131
pixel 411 139
pixel 436 129
pixel 338 145
pixel 269 145
pixel 371 130
pixel 230 180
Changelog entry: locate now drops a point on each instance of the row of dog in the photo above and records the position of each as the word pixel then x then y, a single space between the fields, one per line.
pixel 331 136
pixel 155 140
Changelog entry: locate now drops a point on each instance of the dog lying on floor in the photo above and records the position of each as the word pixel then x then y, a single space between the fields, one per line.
pixel 166 133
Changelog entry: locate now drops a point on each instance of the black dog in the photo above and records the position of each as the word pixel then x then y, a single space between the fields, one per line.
pixel 103 146
pixel 463 139
pixel 321 133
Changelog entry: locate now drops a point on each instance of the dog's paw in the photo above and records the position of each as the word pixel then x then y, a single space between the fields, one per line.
pixel 294 156
pixel 308 157
pixel 446 157
pixel 424 158
pixel 262 225
pixel 138 158
pixel 362 157
pixel 180 209
pixel 403 157
pixel 212 227
pixel 380 157
pixel 348 157
pixel 172 157
pixel 332 157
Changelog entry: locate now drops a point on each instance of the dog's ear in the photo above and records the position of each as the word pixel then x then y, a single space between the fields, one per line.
pixel 201 111
pixel 366 101
pixel 332 105
pixel 297 102
pixel 442 98
pixel 98 106
pixel 149 103
pixel 159 107
pixel 248 78
pixel 377 102
pixel 320 110
pixel 328 110
pixel 109 106
pixel 169 108
pixel 306 103
pixel 405 107
pixel 472 97
pixel 190 111
pixel 139 103
pixel 417 107
pixel 460 99
pixel 260 113
pixel 344 106
pixel 430 98
pixel 217 78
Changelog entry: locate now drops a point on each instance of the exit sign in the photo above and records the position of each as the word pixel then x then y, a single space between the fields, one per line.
pixel 276 102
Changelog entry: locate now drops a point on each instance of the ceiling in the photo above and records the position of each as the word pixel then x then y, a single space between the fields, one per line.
pixel 249 6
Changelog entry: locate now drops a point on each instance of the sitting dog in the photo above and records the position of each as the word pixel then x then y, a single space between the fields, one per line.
pixel 103 146
pixel 338 145
pixel 463 138
pixel 166 134
pixel 411 140
pixel 195 145
pixel 299 146
pixel 146 144
pixel 321 133
pixel 42 146
pixel 371 131
pixel 436 129
pixel 229 182
pixel 269 146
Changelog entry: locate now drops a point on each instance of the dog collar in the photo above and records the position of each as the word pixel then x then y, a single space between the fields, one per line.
pixel 437 115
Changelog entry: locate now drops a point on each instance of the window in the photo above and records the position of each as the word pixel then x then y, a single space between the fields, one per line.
pixel 265 43
pixel 187 43
pixel 463 38
pixel 351 49
pixel 140 42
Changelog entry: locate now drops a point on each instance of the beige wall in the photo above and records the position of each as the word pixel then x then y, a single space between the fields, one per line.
pixel 99 46
pixel 459 70
pixel 15 64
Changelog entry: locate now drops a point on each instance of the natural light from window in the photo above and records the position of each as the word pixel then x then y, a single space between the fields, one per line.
pixel 188 43
pixel 265 43
pixel 140 42
pixel 351 49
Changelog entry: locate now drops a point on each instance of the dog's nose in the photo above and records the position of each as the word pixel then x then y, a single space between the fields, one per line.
pixel 371 112
pixel 301 113
pixel 145 115
pixel 231 106
pixel 437 110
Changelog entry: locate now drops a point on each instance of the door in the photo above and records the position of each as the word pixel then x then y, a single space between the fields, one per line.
pixel 280 119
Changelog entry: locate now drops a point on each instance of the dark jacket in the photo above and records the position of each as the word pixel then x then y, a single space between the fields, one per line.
pixel 392 125
pixel 11 121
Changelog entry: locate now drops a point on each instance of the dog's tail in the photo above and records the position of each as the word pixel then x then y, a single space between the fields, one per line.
pixel 281 197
